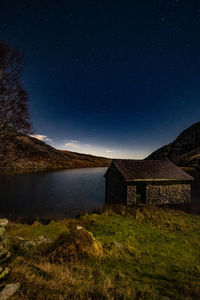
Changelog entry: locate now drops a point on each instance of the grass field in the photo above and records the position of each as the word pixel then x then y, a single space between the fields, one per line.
pixel 148 253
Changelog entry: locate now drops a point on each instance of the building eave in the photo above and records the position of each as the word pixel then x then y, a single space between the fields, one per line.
pixel 162 179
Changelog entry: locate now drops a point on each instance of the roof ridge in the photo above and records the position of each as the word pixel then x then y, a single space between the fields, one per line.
pixel 134 169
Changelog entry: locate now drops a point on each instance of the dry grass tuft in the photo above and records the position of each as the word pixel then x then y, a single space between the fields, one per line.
pixel 75 244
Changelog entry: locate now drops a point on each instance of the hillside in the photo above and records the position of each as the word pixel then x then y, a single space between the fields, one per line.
pixel 184 151
pixel 19 152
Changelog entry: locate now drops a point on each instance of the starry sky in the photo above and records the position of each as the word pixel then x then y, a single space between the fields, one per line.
pixel 110 78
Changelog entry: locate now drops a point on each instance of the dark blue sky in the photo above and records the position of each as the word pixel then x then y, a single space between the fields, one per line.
pixel 115 78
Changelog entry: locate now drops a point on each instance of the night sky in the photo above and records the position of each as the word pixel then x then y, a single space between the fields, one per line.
pixel 113 78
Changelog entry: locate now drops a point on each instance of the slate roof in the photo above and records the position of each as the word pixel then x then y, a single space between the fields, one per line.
pixel 135 170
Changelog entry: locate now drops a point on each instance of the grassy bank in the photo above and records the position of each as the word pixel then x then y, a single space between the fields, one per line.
pixel 150 253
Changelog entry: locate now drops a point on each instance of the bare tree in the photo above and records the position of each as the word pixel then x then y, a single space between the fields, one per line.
pixel 14 113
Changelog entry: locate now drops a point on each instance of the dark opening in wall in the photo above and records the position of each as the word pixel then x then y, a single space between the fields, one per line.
pixel 140 192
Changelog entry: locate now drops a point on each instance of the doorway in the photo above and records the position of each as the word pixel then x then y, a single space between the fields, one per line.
pixel 140 192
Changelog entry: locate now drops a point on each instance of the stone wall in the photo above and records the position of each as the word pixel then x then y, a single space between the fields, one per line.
pixel 168 193
pixel 4 252
pixel 131 195
pixel 7 290
pixel 115 187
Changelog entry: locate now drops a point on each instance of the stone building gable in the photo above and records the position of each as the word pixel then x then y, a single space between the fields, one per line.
pixel 115 186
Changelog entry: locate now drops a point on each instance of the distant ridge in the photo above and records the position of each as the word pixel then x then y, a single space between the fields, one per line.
pixel 184 151
pixel 21 152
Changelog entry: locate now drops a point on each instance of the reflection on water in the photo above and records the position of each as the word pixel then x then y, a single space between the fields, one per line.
pixel 55 194
pixel 58 194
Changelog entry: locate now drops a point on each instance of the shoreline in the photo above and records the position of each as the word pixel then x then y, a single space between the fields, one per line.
pixel 45 220
pixel 40 170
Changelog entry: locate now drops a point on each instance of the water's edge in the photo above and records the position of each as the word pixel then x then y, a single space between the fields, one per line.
pixel 59 194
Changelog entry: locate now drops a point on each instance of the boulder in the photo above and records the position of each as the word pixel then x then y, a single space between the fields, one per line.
pixel 9 290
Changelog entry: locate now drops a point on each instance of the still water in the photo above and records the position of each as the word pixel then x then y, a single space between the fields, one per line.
pixel 58 194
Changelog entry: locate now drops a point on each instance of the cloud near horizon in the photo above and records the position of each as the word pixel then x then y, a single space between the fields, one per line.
pixel 77 146
pixel 80 147
pixel 41 137
pixel 74 145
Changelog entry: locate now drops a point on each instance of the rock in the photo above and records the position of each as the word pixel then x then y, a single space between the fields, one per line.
pixel 3 222
pixel 19 238
pixel 2 233
pixel 9 290
pixel 39 241
pixel 28 244
pixel 43 240
pixel 3 253
pixel 4 273
pixel 78 227
pixel 5 259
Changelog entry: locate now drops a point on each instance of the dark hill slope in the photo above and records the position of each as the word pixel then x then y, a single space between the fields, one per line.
pixel 184 151
pixel 24 152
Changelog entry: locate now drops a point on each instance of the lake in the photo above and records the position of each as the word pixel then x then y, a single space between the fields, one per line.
pixel 58 194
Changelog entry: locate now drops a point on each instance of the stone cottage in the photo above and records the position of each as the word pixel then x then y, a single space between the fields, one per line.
pixel 159 182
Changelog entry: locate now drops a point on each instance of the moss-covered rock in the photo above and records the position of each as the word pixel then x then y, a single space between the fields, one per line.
pixel 4 273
